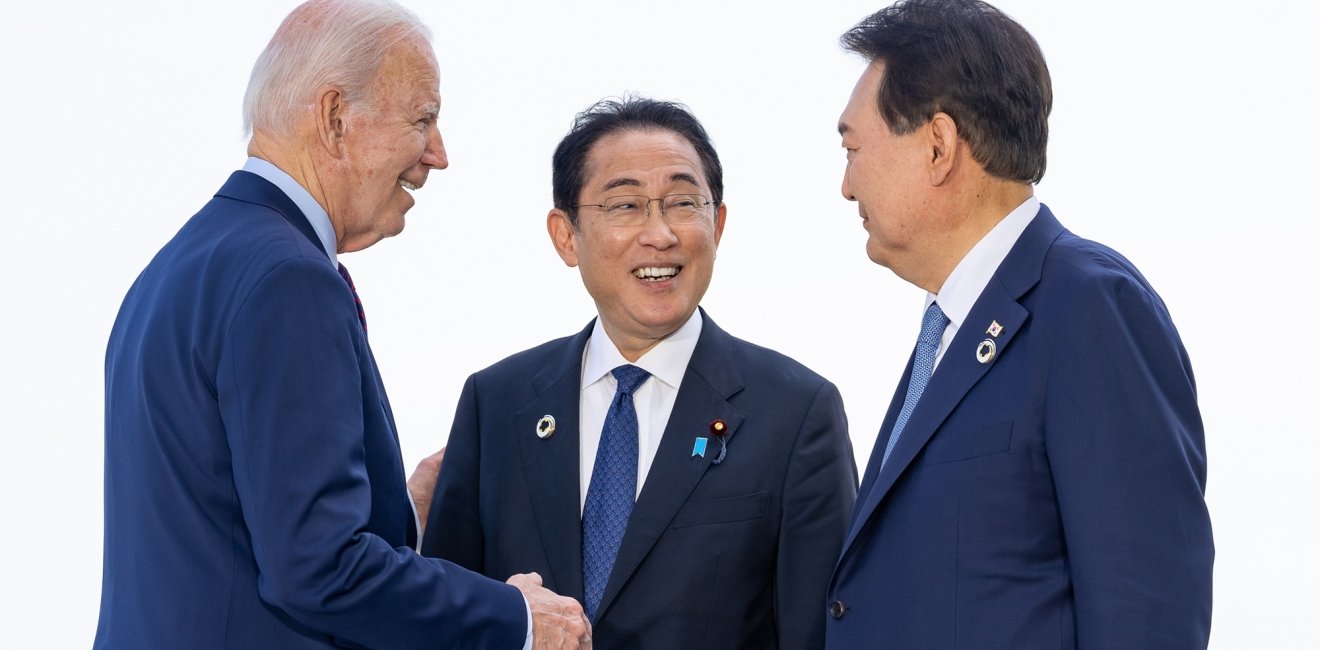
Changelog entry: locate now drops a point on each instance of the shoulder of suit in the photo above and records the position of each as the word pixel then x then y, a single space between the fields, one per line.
pixel 1079 262
pixel 251 233
pixel 528 361
pixel 1081 275
pixel 760 364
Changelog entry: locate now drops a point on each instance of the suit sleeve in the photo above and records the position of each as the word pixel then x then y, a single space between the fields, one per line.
pixel 819 489
pixel 290 393
pixel 1127 452
pixel 453 530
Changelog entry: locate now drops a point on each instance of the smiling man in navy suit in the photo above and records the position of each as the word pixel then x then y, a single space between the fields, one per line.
pixel 690 488
pixel 1038 481
pixel 254 488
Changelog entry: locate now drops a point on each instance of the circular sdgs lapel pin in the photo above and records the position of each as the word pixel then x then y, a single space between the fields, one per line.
pixel 545 427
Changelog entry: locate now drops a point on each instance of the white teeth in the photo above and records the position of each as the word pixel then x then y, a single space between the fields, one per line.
pixel 407 186
pixel 656 272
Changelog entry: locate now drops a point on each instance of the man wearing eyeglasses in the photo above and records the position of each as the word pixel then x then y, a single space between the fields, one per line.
pixel 689 488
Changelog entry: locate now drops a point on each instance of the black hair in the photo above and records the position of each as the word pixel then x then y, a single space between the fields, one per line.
pixel 630 113
pixel 969 60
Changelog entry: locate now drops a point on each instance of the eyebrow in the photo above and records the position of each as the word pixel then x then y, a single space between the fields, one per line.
pixel 621 182
pixel 684 177
pixel 632 182
pixel 844 128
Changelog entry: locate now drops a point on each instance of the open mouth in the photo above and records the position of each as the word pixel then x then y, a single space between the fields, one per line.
pixel 656 273
pixel 408 186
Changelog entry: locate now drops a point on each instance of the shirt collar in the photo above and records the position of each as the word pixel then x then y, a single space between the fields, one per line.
pixel 973 273
pixel 312 210
pixel 667 361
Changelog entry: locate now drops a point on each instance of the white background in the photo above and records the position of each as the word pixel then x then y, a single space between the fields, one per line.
pixel 1183 135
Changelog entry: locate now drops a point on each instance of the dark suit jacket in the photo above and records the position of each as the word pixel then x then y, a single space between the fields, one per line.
pixel 255 496
pixel 729 555
pixel 1050 498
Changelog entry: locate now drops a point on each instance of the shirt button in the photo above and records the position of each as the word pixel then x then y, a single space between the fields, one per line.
pixel 837 609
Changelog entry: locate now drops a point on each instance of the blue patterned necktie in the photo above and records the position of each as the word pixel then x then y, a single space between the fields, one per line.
pixel 613 488
pixel 928 344
pixel 362 315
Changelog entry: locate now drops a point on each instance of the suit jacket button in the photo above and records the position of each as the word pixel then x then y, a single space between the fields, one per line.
pixel 837 609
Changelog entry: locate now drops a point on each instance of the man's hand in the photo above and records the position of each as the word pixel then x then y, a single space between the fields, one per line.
pixel 421 485
pixel 558 622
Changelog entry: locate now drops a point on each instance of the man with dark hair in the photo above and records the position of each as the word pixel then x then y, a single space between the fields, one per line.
pixel 690 488
pixel 254 486
pixel 1039 479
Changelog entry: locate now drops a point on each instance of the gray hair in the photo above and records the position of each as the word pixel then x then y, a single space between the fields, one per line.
pixel 336 42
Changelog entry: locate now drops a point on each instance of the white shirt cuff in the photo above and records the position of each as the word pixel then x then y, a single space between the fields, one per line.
pixel 528 644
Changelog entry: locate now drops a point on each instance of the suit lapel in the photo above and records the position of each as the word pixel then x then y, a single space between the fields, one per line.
pixel 711 379
pixel 551 464
pixel 959 370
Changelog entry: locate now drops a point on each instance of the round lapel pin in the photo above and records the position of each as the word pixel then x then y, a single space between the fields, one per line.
pixel 545 427
pixel 985 351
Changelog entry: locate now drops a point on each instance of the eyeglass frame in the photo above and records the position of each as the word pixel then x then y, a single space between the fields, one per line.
pixel 707 201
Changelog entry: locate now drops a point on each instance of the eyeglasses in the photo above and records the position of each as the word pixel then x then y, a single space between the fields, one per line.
pixel 632 210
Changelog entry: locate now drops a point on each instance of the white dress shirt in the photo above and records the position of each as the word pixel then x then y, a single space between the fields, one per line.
pixel 654 399
pixel 965 284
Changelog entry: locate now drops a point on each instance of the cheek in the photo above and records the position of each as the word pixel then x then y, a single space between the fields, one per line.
pixel 701 246
pixel 410 150
pixel 611 245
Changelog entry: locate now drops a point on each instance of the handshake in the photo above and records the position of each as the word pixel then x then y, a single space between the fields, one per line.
pixel 558 622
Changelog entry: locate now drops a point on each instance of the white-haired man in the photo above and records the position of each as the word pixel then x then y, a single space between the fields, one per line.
pixel 255 495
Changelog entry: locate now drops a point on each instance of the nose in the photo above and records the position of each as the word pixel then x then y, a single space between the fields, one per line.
pixel 434 155
pixel 847 184
pixel 656 231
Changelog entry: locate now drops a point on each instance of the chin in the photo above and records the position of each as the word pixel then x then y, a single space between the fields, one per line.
pixel 877 255
pixel 393 226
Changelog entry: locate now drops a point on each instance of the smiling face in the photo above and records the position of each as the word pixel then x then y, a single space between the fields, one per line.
pixel 389 147
pixel 646 280
pixel 887 176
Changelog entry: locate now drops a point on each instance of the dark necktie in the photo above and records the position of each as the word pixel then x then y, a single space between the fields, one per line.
pixel 362 316
pixel 613 488
pixel 928 343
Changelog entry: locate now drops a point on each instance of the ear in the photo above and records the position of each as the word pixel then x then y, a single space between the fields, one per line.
pixel 562 235
pixel 330 123
pixel 944 143
pixel 719 223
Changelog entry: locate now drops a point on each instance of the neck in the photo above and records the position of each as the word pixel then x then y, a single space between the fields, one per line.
pixel 631 348
pixel 633 345
pixel 973 211
pixel 300 164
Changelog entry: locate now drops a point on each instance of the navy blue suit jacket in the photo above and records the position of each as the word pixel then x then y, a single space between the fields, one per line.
pixel 1050 498
pixel 255 496
pixel 728 555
